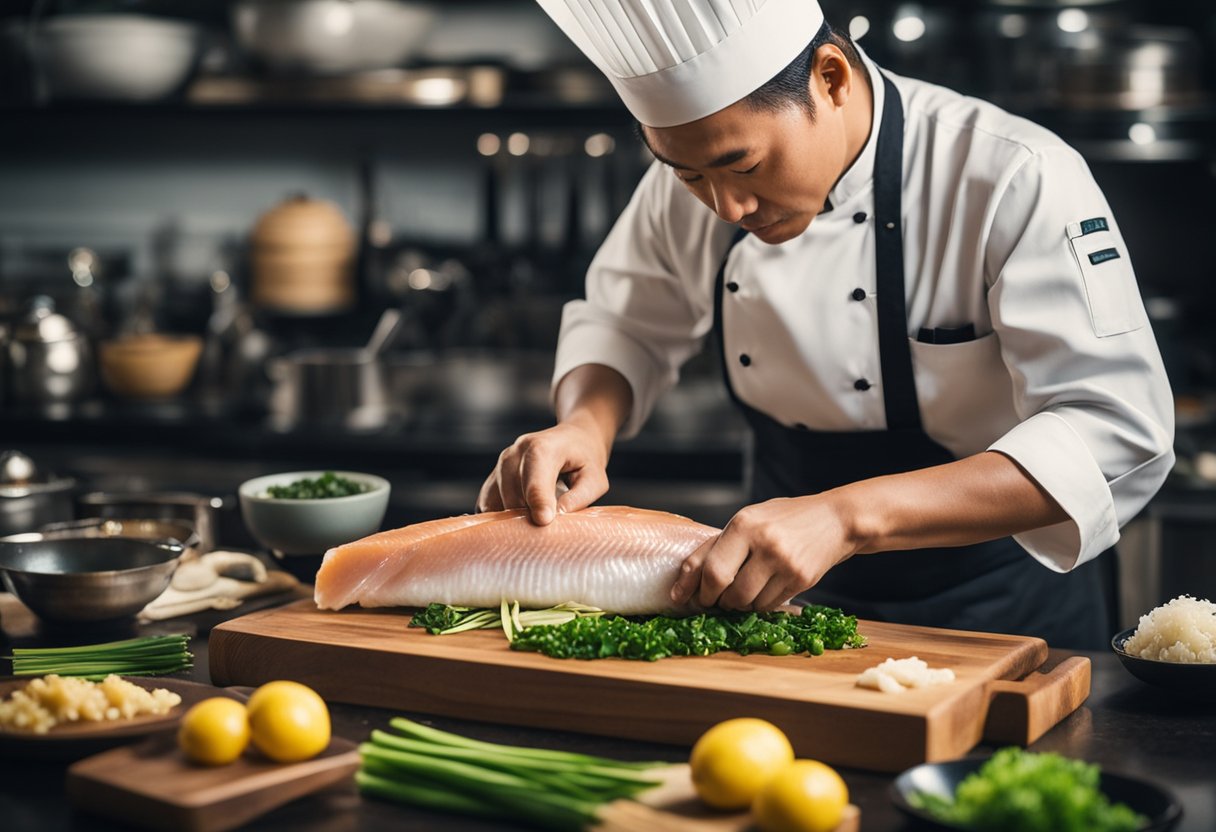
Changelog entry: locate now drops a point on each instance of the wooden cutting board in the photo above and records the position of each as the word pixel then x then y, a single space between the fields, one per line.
pixel 153 786
pixel 372 657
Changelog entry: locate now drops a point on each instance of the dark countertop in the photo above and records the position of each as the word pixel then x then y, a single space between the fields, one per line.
pixel 1125 726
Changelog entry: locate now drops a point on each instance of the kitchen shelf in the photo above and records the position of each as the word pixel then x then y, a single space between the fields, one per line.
pixel 432 444
pixel 51 131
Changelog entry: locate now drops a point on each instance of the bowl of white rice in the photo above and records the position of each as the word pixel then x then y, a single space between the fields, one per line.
pixel 1173 647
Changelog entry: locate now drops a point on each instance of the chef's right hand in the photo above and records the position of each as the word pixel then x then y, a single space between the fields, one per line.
pixel 530 472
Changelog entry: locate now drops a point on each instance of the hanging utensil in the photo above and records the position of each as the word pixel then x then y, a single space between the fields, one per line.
pixel 382 335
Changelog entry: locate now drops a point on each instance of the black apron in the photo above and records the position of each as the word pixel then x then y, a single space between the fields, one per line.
pixel 994 586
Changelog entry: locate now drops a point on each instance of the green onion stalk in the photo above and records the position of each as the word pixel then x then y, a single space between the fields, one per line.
pixel 423 766
pixel 143 656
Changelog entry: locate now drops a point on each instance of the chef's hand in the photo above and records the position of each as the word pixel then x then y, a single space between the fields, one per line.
pixel 767 554
pixel 530 471
pixel 591 403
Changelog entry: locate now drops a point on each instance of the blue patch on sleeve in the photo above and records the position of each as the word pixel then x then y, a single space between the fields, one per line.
pixel 1096 224
pixel 1104 255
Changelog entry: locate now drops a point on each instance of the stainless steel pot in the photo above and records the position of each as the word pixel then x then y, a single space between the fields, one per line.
pixel 30 506
pixel 48 358
pixel 473 383
pixel 195 510
pixel 29 497
pixel 339 388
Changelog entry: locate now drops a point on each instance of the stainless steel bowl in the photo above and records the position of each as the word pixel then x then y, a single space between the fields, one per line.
pixel 84 579
pixel 156 531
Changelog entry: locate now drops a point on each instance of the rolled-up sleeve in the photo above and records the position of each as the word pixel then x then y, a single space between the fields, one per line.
pixel 1096 412
pixel 648 303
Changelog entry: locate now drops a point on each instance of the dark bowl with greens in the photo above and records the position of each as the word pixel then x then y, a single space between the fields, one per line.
pixel 1020 790
pixel 309 512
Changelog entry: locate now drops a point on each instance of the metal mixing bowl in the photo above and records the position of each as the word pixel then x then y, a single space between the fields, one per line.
pixel 157 531
pixel 82 579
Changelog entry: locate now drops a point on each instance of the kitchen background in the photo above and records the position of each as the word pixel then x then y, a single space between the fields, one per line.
pixel 245 188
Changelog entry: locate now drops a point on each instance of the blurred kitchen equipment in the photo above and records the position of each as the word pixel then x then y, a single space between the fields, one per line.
pixel 16 468
pixel 49 359
pixel 195 510
pixel 302 253
pixel 1132 68
pixel 127 57
pixel 79 579
pixel 383 334
pixel 31 498
pixel 157 531
pixel 472 384
pixel 431 86
pixel 336 388
pixel 508 34
pixel 3 362
pixel 235 349
pixel 331 36
pixel 149 366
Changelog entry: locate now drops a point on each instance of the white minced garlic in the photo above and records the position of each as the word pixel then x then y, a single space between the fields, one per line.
pixel 897 675
pixel 1183 630
pixel 52 700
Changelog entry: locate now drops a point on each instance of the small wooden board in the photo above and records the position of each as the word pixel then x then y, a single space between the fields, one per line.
pixel 153 786
pixel 372 657
pixel 675 807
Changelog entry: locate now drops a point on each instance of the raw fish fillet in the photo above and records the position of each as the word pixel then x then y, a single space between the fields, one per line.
pixel 619 559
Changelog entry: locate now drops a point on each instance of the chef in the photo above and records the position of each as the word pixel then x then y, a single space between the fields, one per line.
pixel 924 308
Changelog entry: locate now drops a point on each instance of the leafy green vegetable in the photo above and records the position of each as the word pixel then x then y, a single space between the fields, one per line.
pixel 442 620
pixel 323 487
pixel 424 766
pixel 1020 791
pixel 597 635
pixel 144 656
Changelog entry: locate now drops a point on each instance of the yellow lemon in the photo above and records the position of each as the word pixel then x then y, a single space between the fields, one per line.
pixel 214 732
pixel 734 759
pixel 806 796
pixel 289 721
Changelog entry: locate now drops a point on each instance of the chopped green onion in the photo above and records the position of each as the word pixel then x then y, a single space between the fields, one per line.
pixel 577 631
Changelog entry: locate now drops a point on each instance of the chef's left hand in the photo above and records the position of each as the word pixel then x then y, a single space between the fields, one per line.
pixel 768 553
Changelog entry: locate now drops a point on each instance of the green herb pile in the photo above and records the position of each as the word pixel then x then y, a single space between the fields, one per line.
pixel 1020 791
pixel 323 487
pixel 442 620
pixel 589 636
pixel 144 656
pixel 426 767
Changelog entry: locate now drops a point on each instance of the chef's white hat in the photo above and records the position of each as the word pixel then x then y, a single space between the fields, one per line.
pixel 675 61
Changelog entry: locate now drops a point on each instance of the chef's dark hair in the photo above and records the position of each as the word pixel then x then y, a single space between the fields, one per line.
pixel 789 86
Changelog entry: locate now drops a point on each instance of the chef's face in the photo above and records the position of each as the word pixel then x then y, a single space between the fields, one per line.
pixel 768 171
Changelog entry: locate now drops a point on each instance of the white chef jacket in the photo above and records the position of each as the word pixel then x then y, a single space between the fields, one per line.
pixel 1064 375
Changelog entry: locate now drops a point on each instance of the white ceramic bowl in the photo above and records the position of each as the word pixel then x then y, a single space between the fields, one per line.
pixel 115 56
pixel 310 527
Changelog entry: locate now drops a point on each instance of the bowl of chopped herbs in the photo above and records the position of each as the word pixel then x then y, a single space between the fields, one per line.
pixel 1014 790
pixel 309 512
